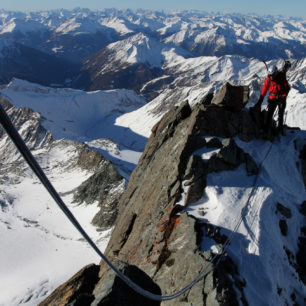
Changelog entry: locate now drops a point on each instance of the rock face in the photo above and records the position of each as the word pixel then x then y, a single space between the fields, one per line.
pixel 301 254
pixel 79 287
pixel 105 186
pixel 151 234
pixel 303 160
pixel 113 291
pixel 232 97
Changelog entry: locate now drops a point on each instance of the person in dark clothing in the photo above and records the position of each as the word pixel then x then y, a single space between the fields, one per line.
pixel 277 85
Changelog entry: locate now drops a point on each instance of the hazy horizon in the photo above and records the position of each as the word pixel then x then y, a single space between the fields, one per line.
pixel 293 8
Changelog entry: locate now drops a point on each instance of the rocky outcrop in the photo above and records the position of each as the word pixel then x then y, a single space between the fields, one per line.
pixel 195 178
pixel 33 133
pixel 113 291
pixel 230 157
pixel 151 235
pixel 303 160
pixel 77 289
pixel 231 97
pixel 105 186
pixel 152 232
pixel 301 254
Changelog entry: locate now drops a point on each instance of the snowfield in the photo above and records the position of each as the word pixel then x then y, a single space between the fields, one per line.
pixel 40 247
pixel 245 209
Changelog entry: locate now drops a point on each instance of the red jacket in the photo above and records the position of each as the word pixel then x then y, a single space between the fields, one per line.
pixel 278 86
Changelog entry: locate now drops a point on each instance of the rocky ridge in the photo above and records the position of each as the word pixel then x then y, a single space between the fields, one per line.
pixel 153 231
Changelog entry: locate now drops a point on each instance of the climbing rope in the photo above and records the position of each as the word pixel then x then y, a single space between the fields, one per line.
pixel 30 159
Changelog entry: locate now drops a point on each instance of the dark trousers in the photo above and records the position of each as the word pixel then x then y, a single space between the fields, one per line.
pixel 272 104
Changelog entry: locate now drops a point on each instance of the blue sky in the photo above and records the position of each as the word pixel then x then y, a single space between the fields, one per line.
pixel 261 7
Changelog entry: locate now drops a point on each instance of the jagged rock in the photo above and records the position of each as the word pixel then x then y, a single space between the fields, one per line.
pixel 232 97
pixel 251 166
pixel 286 212
pixel 213 232
pixel 303 159
pixel 213 142
pixel 231 153
pixel 105 186
pixel 226 126
pixel 77 289
pixel 283 227
pixel 34 135
pixel 111 290
pixel 227 283
pixel 207 99
pixel 209 283
pixel 301 255
pixel 303 208
pixel 195 175
pixel 228 158
pixel 216 164
pixel 90 160
pixel 148 232
pixel 154 188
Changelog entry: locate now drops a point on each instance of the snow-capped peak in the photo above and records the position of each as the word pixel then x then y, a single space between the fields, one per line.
pixel 138 48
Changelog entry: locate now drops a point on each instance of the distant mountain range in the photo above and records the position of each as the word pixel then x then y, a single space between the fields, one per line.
pixel 80 137
pixel 103 49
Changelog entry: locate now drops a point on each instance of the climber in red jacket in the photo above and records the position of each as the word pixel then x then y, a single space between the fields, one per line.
pixel 277 85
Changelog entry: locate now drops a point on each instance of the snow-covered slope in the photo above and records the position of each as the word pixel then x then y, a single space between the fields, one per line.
pixel 245 209
pixel 136 49
pixel 41 249
pixel 75 114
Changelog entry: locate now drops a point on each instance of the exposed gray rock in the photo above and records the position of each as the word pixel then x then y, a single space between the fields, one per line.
pixel 230 157
pixel 111 290
pixel 303 208
pixel 207 99
pixel 195 175
pixel 213 142
pixel 105 186
pixel 232 97
pixel 231 153
pixel 77 289
pixel 303 160
pixel 251 166
pixel 251 122
pixel 283 227
pixel 301 255
pixel 286 212
pixel 34 135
